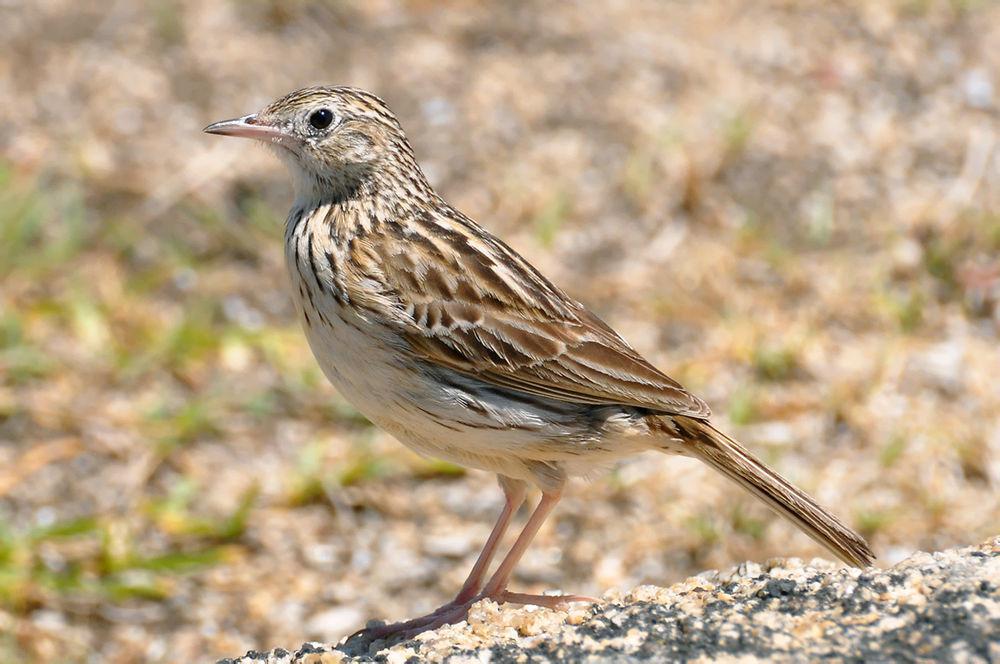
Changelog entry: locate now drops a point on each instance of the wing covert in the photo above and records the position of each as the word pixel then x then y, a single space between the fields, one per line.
pixel 479 308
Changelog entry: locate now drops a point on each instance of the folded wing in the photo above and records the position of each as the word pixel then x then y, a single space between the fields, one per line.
pixel 464 300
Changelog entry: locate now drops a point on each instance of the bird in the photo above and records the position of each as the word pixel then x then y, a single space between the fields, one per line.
pixel 449 340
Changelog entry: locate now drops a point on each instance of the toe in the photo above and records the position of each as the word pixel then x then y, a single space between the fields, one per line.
pixel 547 601
pixel 404 631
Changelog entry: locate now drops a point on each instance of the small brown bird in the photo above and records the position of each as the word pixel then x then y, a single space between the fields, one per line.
pixel 445 337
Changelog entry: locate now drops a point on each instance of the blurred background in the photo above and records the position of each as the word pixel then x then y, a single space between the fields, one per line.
pixel 791 207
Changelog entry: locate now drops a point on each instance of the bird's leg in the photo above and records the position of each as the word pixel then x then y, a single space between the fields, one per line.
pixel 497 585
pixel 496 588
pixel 513 491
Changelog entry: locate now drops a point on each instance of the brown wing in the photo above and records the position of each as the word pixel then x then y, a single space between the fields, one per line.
pixel 470 303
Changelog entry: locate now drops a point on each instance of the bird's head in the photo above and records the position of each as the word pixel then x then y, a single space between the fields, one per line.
pixel 333 139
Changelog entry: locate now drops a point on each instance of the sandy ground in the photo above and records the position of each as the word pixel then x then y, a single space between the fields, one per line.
pixel 928 608
pixel 792 208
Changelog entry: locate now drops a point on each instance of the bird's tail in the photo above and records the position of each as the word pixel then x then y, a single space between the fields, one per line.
pixel 736 462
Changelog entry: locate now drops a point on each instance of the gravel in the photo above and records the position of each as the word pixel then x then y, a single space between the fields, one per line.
pixel 942 606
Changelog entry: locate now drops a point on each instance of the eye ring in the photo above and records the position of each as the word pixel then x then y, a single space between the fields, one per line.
pixel 321 119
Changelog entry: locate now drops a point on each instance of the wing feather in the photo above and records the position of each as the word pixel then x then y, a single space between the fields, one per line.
pixel 482 310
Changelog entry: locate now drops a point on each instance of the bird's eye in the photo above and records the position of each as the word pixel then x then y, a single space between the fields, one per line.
pixel 321 119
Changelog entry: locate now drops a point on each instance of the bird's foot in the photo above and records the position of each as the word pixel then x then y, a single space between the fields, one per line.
pixel 548 601
pixel 451 613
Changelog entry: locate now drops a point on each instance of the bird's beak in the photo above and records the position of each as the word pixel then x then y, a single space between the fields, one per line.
pixel 248 127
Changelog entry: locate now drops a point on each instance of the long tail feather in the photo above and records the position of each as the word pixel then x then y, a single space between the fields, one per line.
pixel 736 462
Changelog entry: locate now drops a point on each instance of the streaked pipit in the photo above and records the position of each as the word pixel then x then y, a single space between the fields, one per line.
pixel 449 340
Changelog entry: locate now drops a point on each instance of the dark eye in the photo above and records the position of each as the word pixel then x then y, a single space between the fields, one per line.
pixel 321 119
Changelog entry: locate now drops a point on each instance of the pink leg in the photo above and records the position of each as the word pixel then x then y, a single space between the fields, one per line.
pixel 497 585
pixel 513 491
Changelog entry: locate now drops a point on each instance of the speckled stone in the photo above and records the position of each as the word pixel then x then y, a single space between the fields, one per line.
pixel 930 607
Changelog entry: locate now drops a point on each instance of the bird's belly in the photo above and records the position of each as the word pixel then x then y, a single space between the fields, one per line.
pixel 359 360
pixel 443 414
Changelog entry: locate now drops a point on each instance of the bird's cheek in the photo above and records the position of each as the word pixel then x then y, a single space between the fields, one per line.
pixel 357 148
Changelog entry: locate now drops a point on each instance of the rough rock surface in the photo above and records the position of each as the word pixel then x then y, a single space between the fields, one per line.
pixel 930 607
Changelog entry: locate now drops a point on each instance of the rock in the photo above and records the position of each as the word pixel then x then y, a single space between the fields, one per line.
pixel 978 88
pixel 454 545
pixel 940 367
pixel 930 607
pixel 335 622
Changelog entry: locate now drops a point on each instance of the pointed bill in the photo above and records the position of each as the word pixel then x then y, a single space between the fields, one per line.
pixel 247 127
